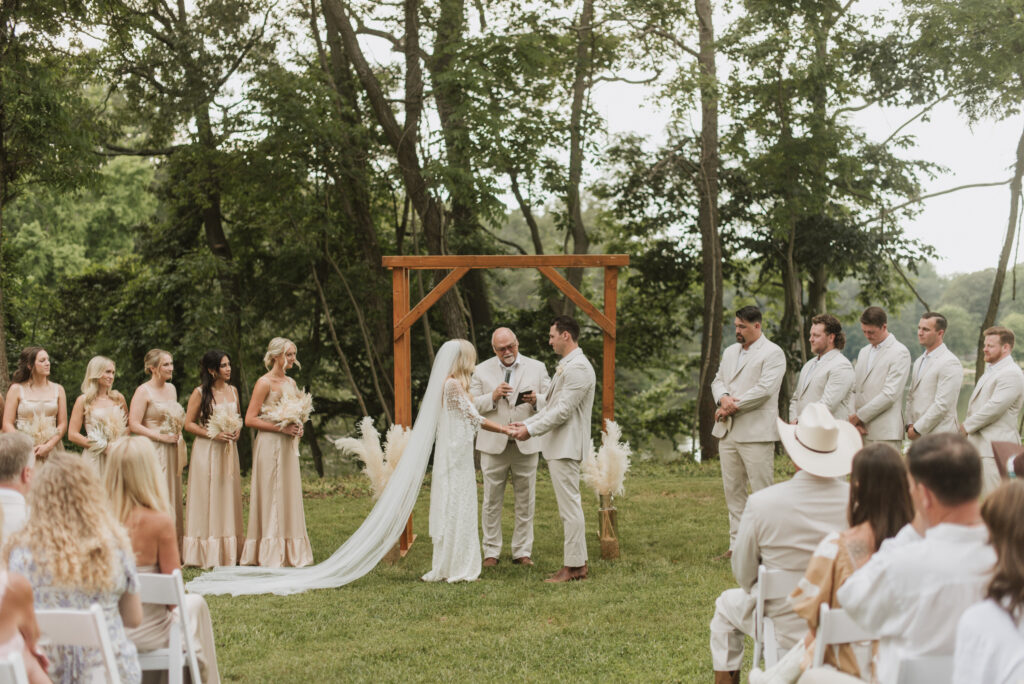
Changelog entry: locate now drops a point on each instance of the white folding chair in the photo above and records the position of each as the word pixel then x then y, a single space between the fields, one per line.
pixel 168 590
pixel 12 670
pixel 771 584
pixel 835 627
pixel 85 628
pixel 926 670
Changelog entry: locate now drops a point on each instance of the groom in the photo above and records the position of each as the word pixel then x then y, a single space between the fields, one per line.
pixel 565 419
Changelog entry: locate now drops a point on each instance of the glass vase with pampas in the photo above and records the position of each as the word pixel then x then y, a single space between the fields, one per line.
pixel 605 472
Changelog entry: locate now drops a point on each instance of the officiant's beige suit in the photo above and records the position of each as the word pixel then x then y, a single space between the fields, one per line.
pixel 500 455
pixel 992 414
pixel 877 399
pixel 747 451
pixel 827 380
pixel 935 382
pixel 564 423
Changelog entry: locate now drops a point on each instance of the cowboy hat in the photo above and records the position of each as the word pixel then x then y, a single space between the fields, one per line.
pixel 819 443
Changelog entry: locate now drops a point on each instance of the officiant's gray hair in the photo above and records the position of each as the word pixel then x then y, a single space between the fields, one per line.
pixel 277 347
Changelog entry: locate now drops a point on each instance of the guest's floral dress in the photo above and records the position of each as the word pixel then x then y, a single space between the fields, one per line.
pixel 72 664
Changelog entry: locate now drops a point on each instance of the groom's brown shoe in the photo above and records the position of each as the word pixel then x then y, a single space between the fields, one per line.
pixel 522 560
pixel 567 574
pixel 490 562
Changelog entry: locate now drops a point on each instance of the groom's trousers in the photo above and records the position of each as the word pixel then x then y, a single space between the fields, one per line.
pixel 496 469
pixel 565 478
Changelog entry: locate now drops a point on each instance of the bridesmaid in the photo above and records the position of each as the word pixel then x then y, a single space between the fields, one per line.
pixel 98 399
pixel 277 524
pixel 213 525
pixel 31 395
pixel 156 414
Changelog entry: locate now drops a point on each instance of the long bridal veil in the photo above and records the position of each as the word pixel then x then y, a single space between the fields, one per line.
pixel 378 533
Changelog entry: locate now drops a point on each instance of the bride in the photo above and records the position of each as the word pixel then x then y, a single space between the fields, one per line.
pixel 446 415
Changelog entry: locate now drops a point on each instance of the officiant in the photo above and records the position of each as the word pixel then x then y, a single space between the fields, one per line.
pixel 508 388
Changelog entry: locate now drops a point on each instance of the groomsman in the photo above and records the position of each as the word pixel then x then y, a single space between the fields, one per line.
pixel 934 382
pixel 880 377
pixel 508 388
pixel 746 390
pixel 828 377
pixel 995 403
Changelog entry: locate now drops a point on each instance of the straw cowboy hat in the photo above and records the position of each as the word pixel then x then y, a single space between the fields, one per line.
pixel 819 443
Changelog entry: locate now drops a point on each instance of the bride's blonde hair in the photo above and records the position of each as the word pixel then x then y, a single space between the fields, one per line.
pixel 278 347
pixel 91 383
pixel 465 363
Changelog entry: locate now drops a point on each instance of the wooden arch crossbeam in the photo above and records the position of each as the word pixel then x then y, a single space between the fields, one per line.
pixel 405 316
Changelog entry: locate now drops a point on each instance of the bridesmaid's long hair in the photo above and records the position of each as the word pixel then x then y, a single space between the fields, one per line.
pixel 209 370
pixel 465 363
pixel 26 362
pixel 91 385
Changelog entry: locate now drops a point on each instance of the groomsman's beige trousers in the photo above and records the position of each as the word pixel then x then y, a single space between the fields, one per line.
pixel 565 478
pixel 743 462
pixel 496 469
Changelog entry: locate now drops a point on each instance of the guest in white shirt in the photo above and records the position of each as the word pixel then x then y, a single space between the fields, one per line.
pixel 935 381
pixel 912 595
pixel 780 528
pixel 828 377
pixel 16 463
pixel 990 636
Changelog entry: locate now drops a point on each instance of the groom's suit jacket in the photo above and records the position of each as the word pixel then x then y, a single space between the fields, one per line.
pixel 565 419
pixel 935 383
pixel 994 406
pixel 754 381
pixel 529 374
pixel 878 391
pixel 826 380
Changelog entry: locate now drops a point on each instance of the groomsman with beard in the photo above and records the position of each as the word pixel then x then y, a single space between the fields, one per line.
pixel 995 403
pixel 508 388
pixel 934 381
pixel 880 377
pixel 746 390
pixel 828 377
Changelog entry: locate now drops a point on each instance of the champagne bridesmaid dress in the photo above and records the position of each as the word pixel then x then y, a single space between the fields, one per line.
pixel 277 523
pixel 213 526
pixel 28 409
pixel 171 457
pixel 92 417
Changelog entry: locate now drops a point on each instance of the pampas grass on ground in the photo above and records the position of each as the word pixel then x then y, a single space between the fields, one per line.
pixel 605 472
pixel 379 462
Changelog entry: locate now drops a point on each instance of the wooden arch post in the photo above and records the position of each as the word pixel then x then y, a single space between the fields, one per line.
pixel 459 265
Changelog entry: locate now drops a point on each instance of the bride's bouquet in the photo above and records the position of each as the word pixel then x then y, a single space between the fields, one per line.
pixel 173 421
pixel 294 407
pixel 379 463
pixel 40 427
pixel 223 418
pixel 105 428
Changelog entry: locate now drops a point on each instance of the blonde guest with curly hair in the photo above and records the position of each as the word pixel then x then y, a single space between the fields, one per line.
pixel 100 409
pixel 74 553
pixel 138 496
pixel 276 535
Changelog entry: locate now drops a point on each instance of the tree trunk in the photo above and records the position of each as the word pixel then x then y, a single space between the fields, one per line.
pixel 707 221
pixel 791 326
pixel 1004 257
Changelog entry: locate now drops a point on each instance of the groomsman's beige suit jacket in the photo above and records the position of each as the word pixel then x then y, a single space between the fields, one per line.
pixel 530 374
pixel 827 380
pixel 878 387
pixel 992 413
pixel 754 381
pixel 934 390
pixel 565 419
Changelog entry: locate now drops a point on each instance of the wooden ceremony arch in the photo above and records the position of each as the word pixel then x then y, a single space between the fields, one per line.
pixel 458 266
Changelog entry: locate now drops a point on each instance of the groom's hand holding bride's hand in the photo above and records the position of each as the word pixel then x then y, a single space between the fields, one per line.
pixel 518 431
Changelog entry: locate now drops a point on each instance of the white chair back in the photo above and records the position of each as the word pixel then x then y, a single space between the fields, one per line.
pixel 926 670
pixel 835 626
pixel 85 628
pixel 771 584
pixel 12 670
pixel 169 590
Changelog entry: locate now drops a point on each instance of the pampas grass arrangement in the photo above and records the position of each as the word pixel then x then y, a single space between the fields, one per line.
pixel 174 420
pixel 223 418
pixel 294 407
pixel 605 473
pixel 40 427
pixel 379 463
pixel 105 428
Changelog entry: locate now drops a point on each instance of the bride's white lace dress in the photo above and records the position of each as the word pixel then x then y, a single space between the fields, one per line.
pixel 453 507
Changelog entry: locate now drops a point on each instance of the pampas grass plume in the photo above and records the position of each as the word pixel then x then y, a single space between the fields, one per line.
pixel 605 471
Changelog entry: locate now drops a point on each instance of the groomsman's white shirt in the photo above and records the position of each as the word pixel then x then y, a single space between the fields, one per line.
pixel 992 413
pixel 880 377
pixel 827 379
pixel 934 388
pixel 526 374
pixel 752 377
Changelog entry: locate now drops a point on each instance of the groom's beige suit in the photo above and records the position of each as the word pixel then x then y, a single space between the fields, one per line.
pixel 500 455
pixel 992 414
pixel 565 424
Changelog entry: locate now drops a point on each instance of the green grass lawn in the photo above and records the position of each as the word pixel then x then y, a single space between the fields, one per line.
pixel 643 617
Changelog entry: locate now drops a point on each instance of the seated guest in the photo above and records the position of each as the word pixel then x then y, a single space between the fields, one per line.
pixel 990 636
pixel 912 595
pixel 780 528
pixel 18 628
pixel 16 461
pixel 879 508
pixel 138 494
pixel 75 553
